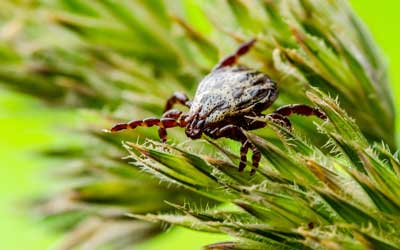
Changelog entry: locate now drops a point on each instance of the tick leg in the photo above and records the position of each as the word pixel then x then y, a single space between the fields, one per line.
pixel 243 155
pixel 300 109
pixel 234 132
pixel 178 97
pixel 232 59
pixel 282 120
pixel 252 124
pixel 172 113
pixel 175 114
pixel 255 159
pixel 163 123
pixel 148 122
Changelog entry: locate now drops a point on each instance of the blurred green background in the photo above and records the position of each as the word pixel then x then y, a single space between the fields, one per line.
pixel 27 126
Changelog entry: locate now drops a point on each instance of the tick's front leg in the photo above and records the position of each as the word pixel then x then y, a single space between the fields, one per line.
pixel 173 118
pixel 177 97
pixel 175 114
pixel 148 122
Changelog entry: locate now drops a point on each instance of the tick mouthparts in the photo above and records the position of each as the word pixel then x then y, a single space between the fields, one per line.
pixel 199 125
pixel 194 133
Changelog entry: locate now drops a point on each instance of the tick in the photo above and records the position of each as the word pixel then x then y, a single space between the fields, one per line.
pixel 223 106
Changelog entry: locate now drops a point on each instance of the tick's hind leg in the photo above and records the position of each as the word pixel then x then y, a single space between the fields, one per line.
pixel 177 97
pixel 235 133
pixel 300 109
pixel 243 155
pixel 255 158
pixel 282 120
pixel 232 59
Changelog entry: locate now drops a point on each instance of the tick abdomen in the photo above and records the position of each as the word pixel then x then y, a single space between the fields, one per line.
pixel 233 91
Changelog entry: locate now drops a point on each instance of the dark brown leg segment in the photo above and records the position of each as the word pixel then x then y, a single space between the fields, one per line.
pixel 163 123
pixel 243 155
pixel 149 122
pixel 232 59
pixel 284 121
pixel 171 114
pixel 300 109
pixel 235 133
pixel 178 97
pixel 255 159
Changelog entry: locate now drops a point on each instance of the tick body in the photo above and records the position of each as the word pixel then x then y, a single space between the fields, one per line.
pixel 223 104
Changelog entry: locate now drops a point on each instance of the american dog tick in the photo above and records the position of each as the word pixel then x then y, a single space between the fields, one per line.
pixel 223 105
